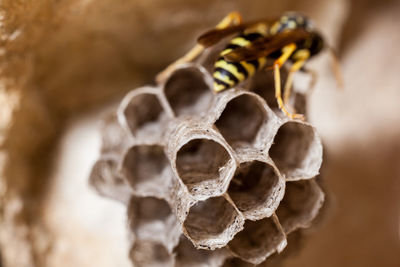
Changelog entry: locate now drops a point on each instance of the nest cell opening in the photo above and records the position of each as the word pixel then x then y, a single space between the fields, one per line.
pixel 107 181
pixel 147 170
pixel 203 164
pixel 112 135
pixel 257 241
pixel 241 120
pixel 104 172
pixel 296 151
pixel 207 221
pixel 149 209
pixel 152 220
pixel 188 92
pixel 144 114
pixel 300 205
pixel 255 189
pixel 151 254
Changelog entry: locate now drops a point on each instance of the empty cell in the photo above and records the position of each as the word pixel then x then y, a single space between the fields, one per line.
pixel 150 209
pixel 150 254
pixel 203 164
pixel 276 259
pixel 300 205
pixel 151 219
pixel 212 223
pixel 257 241
pixel 113 135
pixel 105 178
pixel 297 151
pixel 241 120
pixel 147 170
pixel 187 91
pixel 188 256
pixel 144 115
pixel 256 189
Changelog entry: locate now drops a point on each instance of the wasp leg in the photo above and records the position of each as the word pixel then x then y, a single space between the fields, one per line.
pixel 298 64
pixel 287 52
pixel 188 57
pixel 233 18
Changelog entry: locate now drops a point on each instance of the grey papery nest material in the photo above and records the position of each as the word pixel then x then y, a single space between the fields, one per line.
pixel 209 179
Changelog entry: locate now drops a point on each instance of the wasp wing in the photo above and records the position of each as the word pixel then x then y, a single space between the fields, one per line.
pixel 266 45
pixel 213 36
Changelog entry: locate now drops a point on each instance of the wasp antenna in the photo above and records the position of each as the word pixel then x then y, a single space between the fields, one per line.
pixel 336 67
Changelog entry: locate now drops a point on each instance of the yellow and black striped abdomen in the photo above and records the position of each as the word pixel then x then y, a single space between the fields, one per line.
pixel 229 74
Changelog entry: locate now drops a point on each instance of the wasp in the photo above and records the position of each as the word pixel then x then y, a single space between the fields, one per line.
pixel 290 38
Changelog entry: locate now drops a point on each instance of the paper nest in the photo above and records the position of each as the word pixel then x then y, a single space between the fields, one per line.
pixel 209 179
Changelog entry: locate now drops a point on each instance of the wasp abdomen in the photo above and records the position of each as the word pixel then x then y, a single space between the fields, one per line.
pixel 229 74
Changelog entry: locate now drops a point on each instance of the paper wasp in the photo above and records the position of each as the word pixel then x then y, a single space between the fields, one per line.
pixel 291 37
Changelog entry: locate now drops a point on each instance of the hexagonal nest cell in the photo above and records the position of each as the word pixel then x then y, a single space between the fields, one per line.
pixel 258 240
pixel 256 189
pixel 212 223
pixel 188 255
pixel 241 120
pixel 108 182
pixel 300 205
pixel 209 180
pixel 143 114
pixel 149 254
pixel 147 170
pixel 297 151
pixel 114 137
pixel 152 222
pixel 149 209
pixel 188 91
pixel 203 164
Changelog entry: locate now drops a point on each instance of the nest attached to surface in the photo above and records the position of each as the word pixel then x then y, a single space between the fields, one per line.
pixel 209 179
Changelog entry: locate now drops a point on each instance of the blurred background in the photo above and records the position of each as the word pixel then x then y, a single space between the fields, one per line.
pixel 64 63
